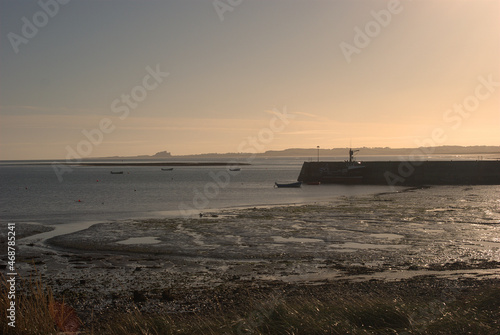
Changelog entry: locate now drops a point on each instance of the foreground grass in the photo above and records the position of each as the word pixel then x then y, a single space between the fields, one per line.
pixel 472 311
pixel 36 310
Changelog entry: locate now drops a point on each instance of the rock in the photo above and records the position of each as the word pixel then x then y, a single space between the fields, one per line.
pixel 139 296
pixel 166 295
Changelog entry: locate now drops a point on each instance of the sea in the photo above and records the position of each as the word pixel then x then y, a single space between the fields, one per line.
pixel 32 192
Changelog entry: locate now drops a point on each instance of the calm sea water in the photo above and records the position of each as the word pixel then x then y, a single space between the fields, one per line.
pixel 33 193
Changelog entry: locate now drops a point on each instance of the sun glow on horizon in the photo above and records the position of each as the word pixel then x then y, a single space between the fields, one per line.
pixel 225 78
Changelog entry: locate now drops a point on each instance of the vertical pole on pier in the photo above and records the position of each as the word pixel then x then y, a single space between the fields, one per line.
pixel 318 152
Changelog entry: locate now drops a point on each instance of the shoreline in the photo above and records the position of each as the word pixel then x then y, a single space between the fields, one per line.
pixel 356 243
pixel 176 213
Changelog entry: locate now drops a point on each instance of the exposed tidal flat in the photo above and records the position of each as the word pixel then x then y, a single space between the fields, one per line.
pixel 439 243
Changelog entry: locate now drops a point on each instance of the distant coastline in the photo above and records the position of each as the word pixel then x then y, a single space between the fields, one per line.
pixel 160 164
pixel 312 152
pixel 165 157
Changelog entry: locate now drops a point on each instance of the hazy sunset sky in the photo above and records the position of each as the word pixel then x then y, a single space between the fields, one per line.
pixel 231 66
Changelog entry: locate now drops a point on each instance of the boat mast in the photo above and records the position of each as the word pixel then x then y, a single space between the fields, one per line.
pixel 351 154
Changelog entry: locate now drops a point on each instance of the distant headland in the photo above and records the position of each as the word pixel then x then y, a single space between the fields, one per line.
pixel 312 152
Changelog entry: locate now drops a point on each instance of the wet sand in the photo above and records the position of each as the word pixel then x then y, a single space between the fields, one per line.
pixel 440 237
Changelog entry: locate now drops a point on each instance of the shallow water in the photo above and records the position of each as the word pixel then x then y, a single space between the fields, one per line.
pixel 33 193
pixel 140 240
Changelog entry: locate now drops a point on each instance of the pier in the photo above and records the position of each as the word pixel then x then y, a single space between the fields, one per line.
pixel 410 172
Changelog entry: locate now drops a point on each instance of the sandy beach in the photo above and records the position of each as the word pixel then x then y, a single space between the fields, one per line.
pixel 379 243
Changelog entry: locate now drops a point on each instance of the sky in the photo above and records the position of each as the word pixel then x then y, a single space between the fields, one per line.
pixel 96 78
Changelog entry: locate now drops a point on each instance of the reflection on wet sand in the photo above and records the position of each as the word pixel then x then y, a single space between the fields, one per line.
pixel 385 237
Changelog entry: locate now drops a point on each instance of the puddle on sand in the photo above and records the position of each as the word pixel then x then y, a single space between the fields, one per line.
pixel 440 210
pixel 387 236
pixel 279 239
pixel 60 229
pixel 449 274
pixel 140 240
pixel 353 246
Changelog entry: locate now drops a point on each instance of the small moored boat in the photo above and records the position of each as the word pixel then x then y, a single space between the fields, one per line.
pixel 167 169
pixel 116 172
pixel 296 184
pixel 235 169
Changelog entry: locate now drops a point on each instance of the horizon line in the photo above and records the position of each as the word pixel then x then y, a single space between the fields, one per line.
pixel 271 151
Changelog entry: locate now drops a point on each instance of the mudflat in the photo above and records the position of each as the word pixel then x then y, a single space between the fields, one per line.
pixel 435 242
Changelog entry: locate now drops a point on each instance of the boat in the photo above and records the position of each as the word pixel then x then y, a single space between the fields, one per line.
pixel 167 169
pixel 295 184
pixel 351 165
pixel 235 169
pixel 314 183
pixel 116 172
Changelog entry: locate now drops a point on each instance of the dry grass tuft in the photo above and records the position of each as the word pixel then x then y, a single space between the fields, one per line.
pixel 37 312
